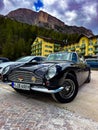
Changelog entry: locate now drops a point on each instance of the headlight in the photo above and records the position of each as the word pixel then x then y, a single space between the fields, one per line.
pixel 5 70
pixel 51 72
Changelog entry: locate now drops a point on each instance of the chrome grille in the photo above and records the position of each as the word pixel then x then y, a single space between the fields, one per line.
pixel 24 77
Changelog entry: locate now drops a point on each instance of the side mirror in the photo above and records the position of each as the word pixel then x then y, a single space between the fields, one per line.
pixel 82 60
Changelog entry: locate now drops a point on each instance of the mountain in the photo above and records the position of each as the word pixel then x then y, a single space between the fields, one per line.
pixel 44 19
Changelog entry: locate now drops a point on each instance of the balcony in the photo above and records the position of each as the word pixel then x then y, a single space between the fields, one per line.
pixel 82 52
pixel 73 49
pixel 56 49
pixel 96 51
pixel 82 46
pixel 96 45
pixel 57 45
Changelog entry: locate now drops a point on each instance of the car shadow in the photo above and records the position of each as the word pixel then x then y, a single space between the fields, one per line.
pixel 45 97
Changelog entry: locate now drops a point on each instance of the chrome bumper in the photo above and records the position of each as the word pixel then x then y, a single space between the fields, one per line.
pixel 9 83
pixel 45 90
pixel 42 89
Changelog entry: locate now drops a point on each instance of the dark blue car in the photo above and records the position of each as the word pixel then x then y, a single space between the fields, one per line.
pixel 61 74
pixel 93 62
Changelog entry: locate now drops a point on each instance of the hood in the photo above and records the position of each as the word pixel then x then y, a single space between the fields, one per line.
pixel 45 64
pixel 41 68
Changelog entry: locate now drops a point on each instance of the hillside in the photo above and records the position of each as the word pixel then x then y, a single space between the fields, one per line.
pixel 43 19
pixel 19 29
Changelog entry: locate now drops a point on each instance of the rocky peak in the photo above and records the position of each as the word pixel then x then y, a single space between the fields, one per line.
pixel 45 20
pixel 23 15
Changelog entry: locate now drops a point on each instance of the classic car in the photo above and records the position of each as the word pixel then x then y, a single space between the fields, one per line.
pixel 61 74
pixel 21 61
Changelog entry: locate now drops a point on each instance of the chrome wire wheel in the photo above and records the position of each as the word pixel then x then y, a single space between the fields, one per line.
pixel 69 88
pixel 69 92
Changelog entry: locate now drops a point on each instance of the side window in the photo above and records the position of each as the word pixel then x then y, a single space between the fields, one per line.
pixel 74 57
pixel 1 61
pixel 43 58
pixel 36 59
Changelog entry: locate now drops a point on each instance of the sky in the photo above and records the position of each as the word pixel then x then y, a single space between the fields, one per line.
pixel 71 12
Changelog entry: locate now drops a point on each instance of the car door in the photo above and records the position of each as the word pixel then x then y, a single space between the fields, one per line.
pixel 81 68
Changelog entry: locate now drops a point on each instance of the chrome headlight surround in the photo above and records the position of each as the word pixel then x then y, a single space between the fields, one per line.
pixel 5 70
pixel 51 72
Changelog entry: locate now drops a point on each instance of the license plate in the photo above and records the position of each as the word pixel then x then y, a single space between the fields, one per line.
pixel 21 86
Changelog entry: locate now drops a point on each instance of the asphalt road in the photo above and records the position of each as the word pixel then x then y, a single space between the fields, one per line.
pixel 38 111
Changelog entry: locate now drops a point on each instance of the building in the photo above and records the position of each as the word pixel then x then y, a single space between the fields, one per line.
pixel 86 46
pixel 44 46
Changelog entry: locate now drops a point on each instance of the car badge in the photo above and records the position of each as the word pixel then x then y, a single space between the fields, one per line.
pixel 33 79
pixel 20 79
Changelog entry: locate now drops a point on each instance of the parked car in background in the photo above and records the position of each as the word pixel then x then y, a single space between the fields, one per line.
pixel 92 62
pixel 61 74
pixel 3 59
pixel 22 60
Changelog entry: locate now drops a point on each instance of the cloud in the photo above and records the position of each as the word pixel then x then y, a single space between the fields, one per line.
pixel 10 5
pixel 70 17
pixel 90 15
pixel 90 10
pixel 1 4
pixel 17 3
pixel 72 12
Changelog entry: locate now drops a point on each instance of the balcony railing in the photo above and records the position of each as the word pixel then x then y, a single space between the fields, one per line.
pixel 73 49
pixel 95 51
pixel 82 46
pixel 96 45
pixel 82 52
pixel 77 46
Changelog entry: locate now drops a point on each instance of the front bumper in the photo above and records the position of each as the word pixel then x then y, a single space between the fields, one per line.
pixel 45 90
pixel 42 88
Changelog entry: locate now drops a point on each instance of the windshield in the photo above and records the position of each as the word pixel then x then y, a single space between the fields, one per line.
pixel 59 56
pixel 25 59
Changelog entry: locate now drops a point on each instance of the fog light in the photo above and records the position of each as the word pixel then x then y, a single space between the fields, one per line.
pixel 47 83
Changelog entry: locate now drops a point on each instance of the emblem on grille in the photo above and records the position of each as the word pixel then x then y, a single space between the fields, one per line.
pixel 20 79
pixel 33 79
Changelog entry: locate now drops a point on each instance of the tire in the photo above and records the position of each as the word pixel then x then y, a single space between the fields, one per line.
pixel 69 92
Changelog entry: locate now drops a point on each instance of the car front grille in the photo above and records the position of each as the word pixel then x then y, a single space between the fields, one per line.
pixel 24 77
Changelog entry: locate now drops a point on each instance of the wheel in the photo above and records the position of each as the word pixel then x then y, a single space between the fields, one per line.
pixel 69 92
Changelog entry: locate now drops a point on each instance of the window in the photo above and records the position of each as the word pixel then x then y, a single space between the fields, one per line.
pixel 90 42
pixel 46 51
pixel 83 41
pixel 90 49
pixel 74 57
pixel 37 59
pixel 47 46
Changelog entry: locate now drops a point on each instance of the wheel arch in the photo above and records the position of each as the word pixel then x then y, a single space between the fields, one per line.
pixel 69 79
pixel 72 73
